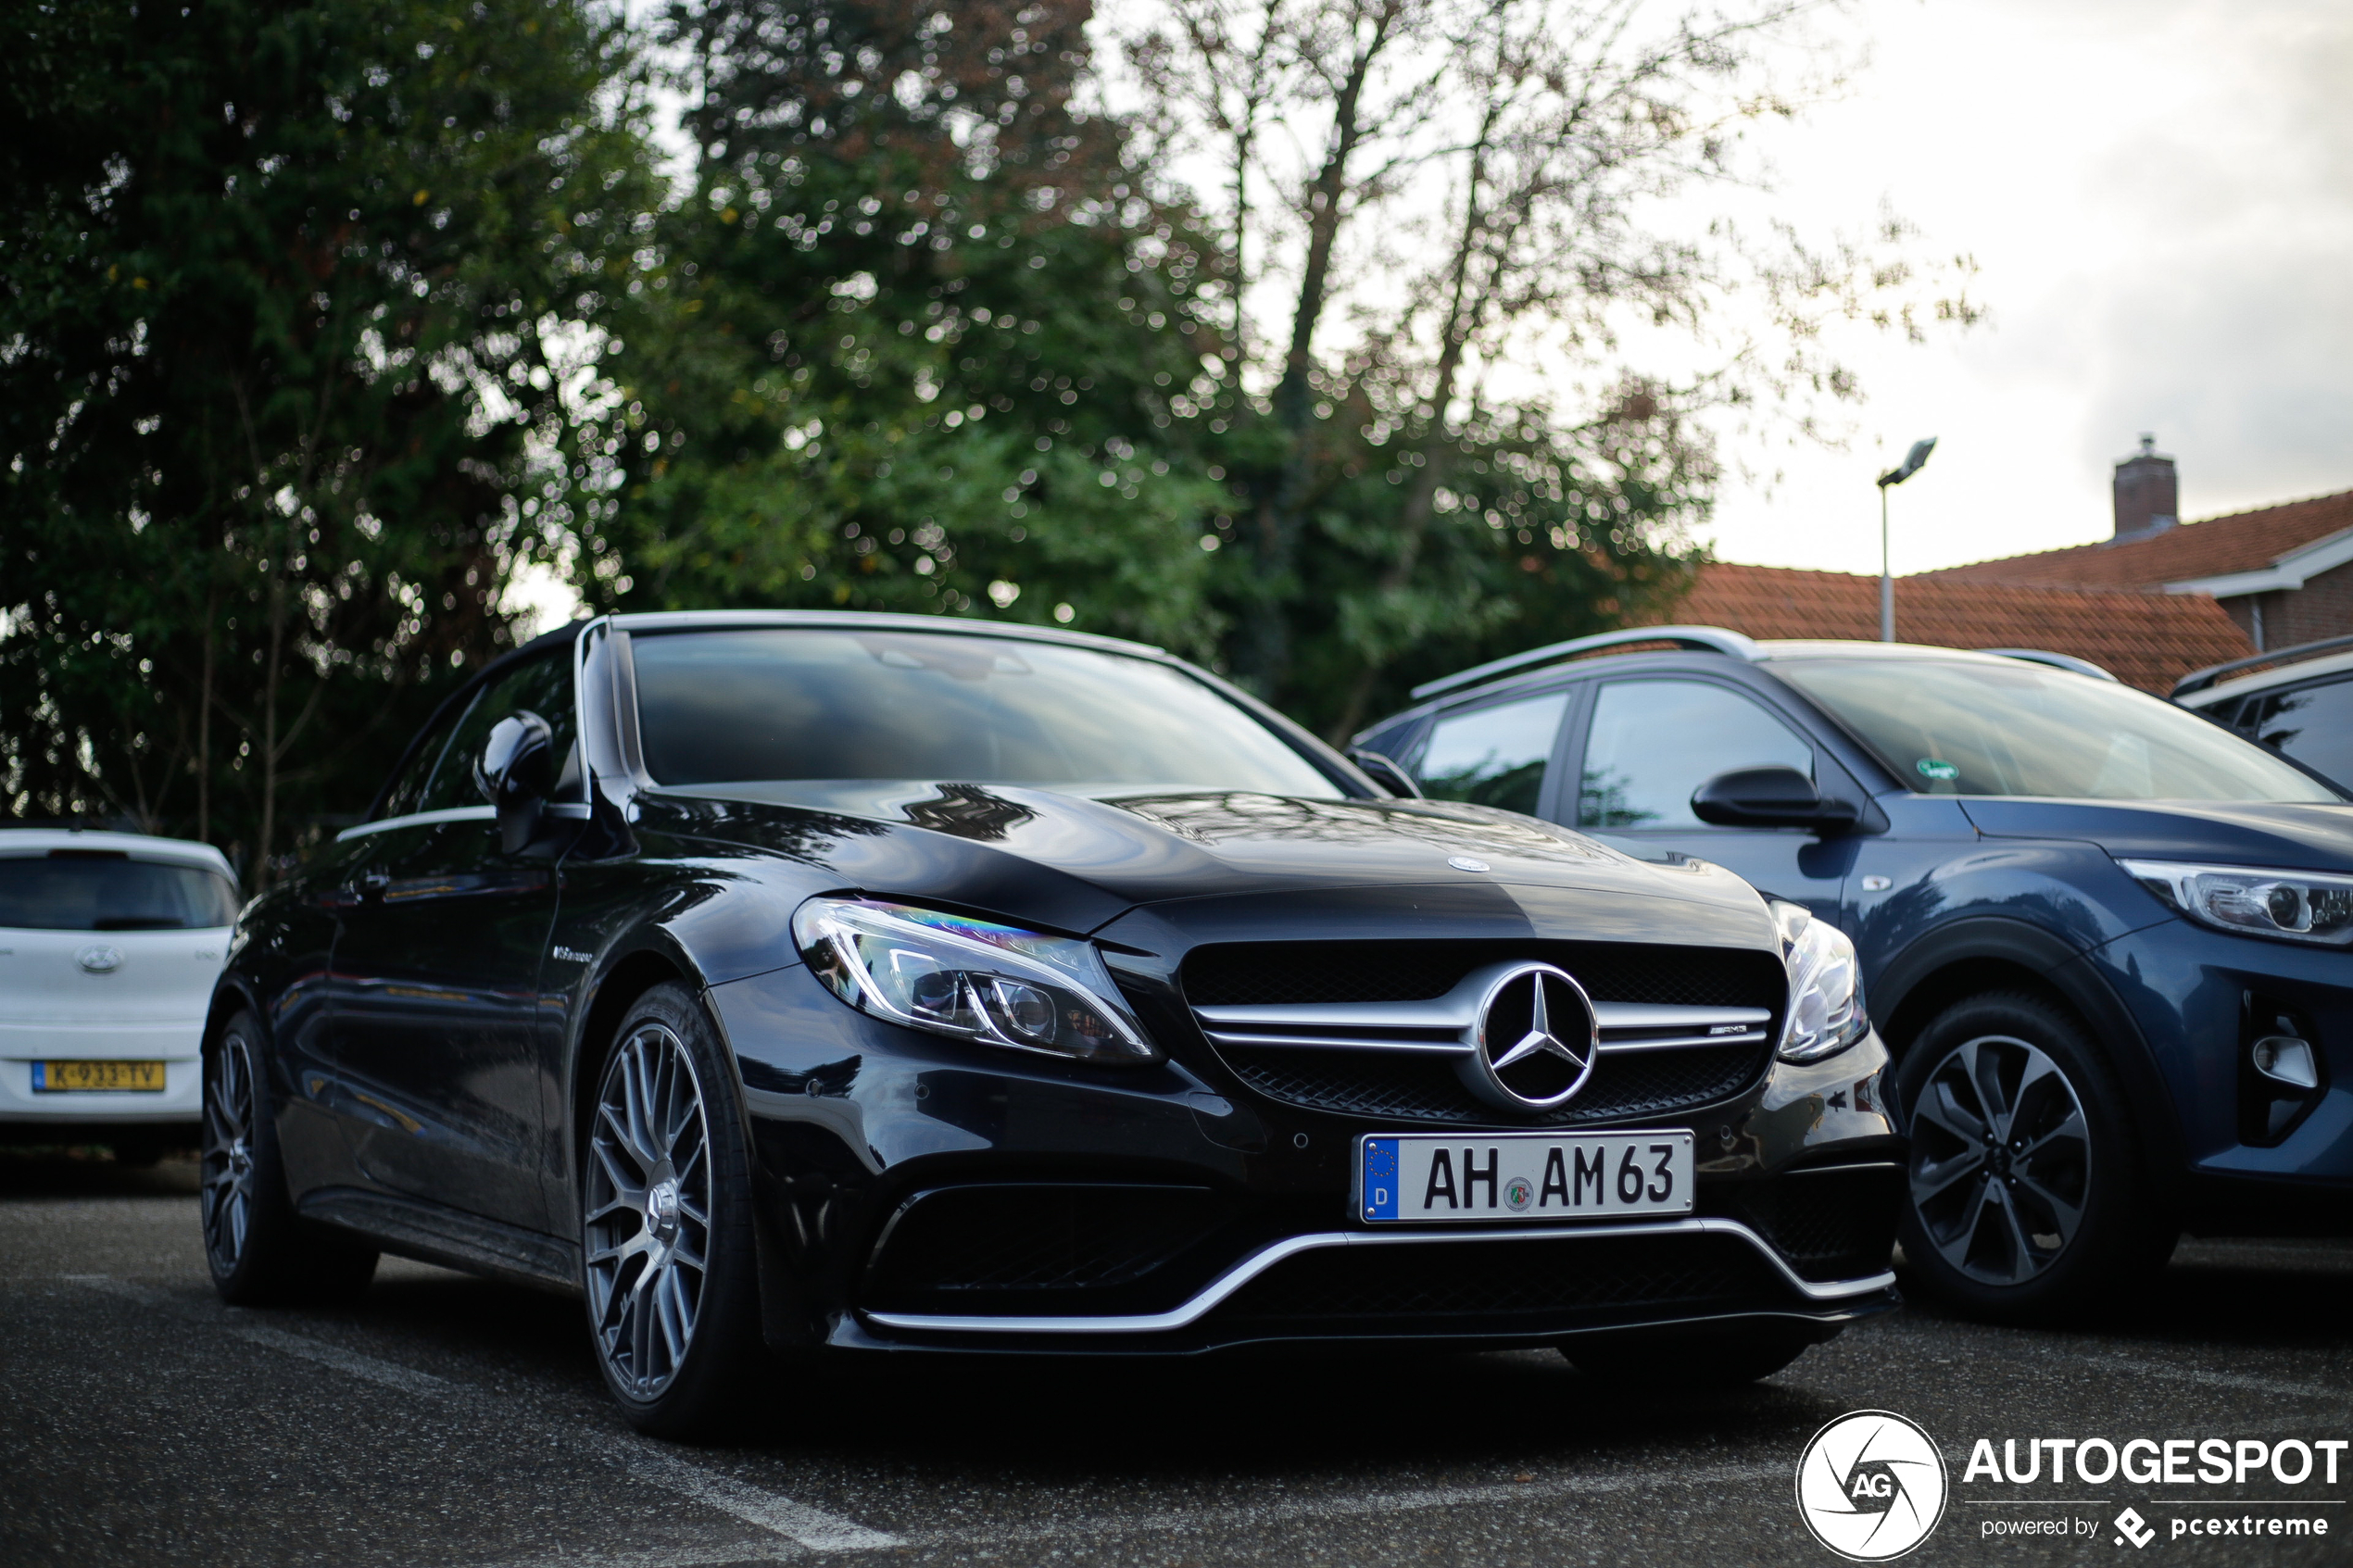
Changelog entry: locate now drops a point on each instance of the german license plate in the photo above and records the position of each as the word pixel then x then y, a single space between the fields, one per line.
pixel 81 1077
pixel 1421 1178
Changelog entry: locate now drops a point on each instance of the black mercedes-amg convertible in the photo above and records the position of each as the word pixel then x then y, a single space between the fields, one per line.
pixel 805 984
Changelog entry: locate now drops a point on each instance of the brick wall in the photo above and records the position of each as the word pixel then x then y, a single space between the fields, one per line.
pixel 2323 607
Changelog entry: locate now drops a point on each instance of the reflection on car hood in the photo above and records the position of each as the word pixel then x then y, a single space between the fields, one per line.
pixel 2245 834
pixel 1075 862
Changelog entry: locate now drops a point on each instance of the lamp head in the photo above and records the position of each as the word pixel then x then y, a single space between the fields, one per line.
pixel 1911 465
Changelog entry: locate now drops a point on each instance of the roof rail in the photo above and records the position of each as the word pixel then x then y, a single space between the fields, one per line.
pixel 2056 660
pixel 1709 639
pixel 2198 680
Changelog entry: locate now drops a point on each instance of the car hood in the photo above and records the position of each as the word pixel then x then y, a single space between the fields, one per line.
pixel 1076 863
pixel 2288 836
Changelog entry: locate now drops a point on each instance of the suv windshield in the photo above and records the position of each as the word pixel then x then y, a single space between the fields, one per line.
pixel 1965 728
pixel 106 890
pixel 736 706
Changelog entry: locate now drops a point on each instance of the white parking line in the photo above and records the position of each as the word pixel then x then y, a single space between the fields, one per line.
pixel 350 1361
pixel 771 1512
pixel 810 1527
pixel 1359 1505
pixel 2054 1347
pixel 2224 1379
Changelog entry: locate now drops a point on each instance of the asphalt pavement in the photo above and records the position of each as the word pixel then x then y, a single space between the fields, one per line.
pixel 445 1419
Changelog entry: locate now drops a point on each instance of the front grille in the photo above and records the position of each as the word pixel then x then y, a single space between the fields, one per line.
pixel 1366 1028
pixel 1405 972
pixel 1004 1240
pixel 1413 1088
pixel 1829 1224
pixel 1557 1281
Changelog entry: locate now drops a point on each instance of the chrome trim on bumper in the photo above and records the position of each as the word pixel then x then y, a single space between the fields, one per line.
pixel 1258 1262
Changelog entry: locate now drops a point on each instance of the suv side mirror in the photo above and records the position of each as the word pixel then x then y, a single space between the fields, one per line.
pixel 1769 797
pixel 1386 773
pixel 515 772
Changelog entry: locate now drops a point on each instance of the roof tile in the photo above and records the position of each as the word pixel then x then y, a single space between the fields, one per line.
pixel 2147 640
pixel 2240 542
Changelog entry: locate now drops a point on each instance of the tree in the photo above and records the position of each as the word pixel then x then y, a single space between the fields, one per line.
pixel 919 343
pixel 298 301
pixel 1497 199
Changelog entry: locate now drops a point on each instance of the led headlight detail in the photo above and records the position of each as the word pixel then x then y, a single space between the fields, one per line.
pixel 2314 907
pixel 1825 987
pixel 970 978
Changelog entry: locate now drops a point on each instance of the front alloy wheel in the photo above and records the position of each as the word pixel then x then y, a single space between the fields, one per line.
pixel 2001 1160
pixel 649 1209
pixel 2031 1199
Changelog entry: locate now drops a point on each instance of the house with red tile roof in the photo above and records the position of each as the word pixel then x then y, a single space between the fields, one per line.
pixel 2283 574
pixel 2149 640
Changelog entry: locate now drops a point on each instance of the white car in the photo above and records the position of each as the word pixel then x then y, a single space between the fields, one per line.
pixel 109 946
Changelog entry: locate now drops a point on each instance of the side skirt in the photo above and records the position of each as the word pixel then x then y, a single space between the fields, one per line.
pixel 432 1233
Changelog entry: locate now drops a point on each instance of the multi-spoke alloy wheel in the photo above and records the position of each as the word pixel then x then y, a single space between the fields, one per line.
pixel 261 1254
pixel 2001 1160
pixel 647 1215
pixel 228 1158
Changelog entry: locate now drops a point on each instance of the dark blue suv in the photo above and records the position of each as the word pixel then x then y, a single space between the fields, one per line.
pixel 2110 941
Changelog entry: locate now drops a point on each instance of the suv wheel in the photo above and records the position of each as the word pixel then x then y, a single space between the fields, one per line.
pixel 260 1252
pixel 2027 1200
pixel 665 1226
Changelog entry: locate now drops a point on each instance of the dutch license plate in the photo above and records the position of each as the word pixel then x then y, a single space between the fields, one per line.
pixel 1419 1178
pixel 81 1077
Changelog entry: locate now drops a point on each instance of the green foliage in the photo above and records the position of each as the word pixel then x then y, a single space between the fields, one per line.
pixel 292 297
pixel 323 320
pixel 917 339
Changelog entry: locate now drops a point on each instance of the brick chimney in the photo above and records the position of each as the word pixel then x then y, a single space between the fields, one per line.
pixel 2147 493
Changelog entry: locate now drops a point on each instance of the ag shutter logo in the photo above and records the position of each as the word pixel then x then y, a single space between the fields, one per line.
pixel 1871 1486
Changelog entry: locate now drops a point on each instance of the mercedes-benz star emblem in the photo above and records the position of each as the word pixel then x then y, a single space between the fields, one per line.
pixel 99 959
pixel 1537 1040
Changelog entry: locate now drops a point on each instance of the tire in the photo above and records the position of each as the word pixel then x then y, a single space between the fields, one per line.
pixel 667 1257
pixel 2029 1200
pixel 260 1252
pixel 1690 1359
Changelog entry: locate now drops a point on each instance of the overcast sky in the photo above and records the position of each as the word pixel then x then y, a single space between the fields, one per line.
pixel 2160 194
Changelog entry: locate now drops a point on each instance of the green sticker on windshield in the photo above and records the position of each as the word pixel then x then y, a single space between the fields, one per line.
pixel 1937 767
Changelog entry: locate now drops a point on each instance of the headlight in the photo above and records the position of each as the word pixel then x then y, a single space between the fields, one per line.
pixel 2292 906
pixel 969 978
pixel 1825 987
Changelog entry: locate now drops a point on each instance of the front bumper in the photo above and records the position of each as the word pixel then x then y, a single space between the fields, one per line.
pixel 2260 1158
pixel 918 1193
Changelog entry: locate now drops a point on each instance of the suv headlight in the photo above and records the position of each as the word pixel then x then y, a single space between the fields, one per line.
pixel 970 978
pixel 1825 987
pixel 2292 906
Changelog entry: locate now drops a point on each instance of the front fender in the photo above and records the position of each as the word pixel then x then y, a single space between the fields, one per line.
pixel 1972 952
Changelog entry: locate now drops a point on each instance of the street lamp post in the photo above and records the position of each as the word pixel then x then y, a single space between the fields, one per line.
pixel 1911 465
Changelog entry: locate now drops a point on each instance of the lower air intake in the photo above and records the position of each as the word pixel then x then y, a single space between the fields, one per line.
pixel 1552 1282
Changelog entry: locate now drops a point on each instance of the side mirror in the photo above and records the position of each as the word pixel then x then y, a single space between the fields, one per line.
pixel 1386 773
pixel 1769 797
pixel 515 772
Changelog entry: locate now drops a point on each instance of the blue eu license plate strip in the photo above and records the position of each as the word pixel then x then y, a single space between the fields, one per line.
pixel 1419 1178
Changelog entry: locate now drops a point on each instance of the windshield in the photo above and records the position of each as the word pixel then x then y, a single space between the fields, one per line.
pixel 736 706
pixel 1991 729
pixel 106 890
